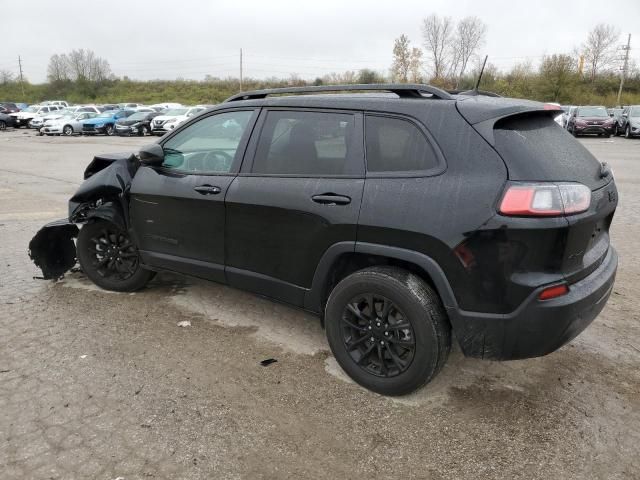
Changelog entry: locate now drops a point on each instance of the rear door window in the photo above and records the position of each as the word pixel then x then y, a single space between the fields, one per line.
pixel 308 143
pixel 397 145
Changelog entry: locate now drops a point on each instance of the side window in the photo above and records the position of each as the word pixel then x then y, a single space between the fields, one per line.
pixel 397 145
pixel 307 143
pixel 210 145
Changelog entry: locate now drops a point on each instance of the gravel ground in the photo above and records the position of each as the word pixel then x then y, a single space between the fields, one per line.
pixel 99 385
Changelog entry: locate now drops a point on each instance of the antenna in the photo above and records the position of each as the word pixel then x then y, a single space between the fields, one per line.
pixel 480 75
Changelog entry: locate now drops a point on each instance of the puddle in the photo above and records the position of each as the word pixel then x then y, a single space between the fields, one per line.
pixel 290 329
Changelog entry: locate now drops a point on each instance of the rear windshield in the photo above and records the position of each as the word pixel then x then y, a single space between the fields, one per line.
pixel 535 148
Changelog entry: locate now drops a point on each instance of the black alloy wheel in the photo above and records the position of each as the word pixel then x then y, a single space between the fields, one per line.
pixel 114 255
pixel 377 335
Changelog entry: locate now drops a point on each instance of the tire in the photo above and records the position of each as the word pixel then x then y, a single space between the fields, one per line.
pixel 67 130
pixel 574 133
pixel 3 125
pixel 420 350
pixel 108 130
pixel 120 274
pixel 144 131
pixel 627 132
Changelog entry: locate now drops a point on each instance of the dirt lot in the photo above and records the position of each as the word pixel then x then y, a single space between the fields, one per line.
pixel 99 385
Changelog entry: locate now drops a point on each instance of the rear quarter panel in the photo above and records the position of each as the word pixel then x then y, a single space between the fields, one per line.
pixel 433 215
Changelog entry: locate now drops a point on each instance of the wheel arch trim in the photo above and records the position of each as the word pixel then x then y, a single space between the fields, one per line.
pixel 313 297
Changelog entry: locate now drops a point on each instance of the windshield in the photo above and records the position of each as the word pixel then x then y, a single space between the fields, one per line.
pixel 138 116
pixel 174 112
pixel 592 112
pixel 32 109
pixel 108 114
pixel 634 112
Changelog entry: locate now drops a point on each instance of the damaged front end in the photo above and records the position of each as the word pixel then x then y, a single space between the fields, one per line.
pixel 104 194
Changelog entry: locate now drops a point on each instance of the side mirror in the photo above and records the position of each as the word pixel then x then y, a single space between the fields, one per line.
pixel 151 155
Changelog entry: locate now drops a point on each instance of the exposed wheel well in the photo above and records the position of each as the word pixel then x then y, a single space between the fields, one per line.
pixel 347 263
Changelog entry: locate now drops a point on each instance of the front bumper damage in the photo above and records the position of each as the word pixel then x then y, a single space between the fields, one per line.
pixel 53 249
pixel 103 195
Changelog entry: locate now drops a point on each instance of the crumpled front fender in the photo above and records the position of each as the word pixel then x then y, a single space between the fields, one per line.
pixel 53 250
pixel 103 195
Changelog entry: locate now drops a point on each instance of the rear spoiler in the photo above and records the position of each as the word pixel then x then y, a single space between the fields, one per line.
pixel 484 113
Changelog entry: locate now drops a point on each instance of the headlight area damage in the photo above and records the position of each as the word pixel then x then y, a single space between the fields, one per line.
pixel 104 194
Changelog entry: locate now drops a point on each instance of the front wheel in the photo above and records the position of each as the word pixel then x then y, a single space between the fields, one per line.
pixel 109 258
pixel 67 130
pixel 3 125
pixel 144 131
pixel 627 132
pixel 387 329
pixel 109 130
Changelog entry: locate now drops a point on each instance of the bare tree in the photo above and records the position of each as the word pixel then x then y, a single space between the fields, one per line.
pixel 78 65
pixel 437 33
pixel 600 49
pixel 58 68
pixel 557 73
pixel 470 36
pixel 415 65
pixel 401 59
pixel 6 76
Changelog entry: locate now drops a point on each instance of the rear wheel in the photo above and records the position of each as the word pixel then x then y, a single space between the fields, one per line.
pixel 67 130
pixel 3 125
pixel 387 329
pixel 109 258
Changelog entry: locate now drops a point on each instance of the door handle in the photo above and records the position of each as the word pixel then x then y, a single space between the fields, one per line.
pixel 207 190
pixel 331 199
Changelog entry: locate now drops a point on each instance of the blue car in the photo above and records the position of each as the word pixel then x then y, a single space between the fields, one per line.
pixel 104 123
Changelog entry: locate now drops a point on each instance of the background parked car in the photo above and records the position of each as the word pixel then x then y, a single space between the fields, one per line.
pixel 104 122
pixel 60 103
pixel 567 114
pixel 589 120
pixel 5 121
pixel 109 106
pixel 23 117
pixel 174 117
pixel 66 125
pixel 630 121
pixel 8 107
pixel 616 114
pixel 137 124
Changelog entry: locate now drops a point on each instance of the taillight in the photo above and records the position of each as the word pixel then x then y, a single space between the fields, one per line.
pixel 545 199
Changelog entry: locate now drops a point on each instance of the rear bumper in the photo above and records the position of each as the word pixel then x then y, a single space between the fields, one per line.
pixel 537 327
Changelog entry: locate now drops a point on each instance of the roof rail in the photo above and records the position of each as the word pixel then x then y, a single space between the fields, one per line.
pixel 403 90
pixel 473 93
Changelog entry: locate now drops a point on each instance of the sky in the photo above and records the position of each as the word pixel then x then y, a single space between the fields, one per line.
pixel 189 39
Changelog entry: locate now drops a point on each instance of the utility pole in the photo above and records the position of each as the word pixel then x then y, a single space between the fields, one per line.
pixel 624 67
pixel 21 77
pixel 240 69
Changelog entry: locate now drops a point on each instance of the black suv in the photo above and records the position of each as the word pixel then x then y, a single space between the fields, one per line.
pixel 398 217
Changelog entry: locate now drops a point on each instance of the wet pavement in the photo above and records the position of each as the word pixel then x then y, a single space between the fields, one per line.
pixel 100 385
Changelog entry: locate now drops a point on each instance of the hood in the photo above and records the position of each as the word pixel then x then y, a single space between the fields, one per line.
pixel 164 118
pixel 127 121
pixel 24 114
pixel 97 120
pixel 597 120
